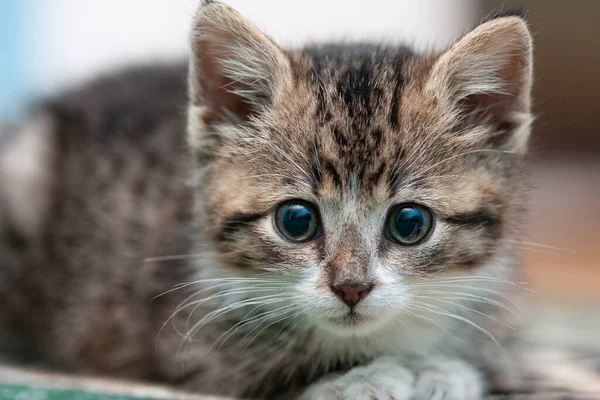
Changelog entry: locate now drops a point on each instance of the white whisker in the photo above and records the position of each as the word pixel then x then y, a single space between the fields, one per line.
pixel 211 316
pixel 268 325
pixel 186 304
pixel 540 245
pixel 452 303
pixel 199 303
pixel 245 321
pixel 414 314
pixel 442 311
pixel 470 296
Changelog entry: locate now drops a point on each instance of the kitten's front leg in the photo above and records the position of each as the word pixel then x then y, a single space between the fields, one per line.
pixel 448 379
pixel 383 379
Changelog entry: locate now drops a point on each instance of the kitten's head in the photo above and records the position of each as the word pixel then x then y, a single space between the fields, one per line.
pixel 351 174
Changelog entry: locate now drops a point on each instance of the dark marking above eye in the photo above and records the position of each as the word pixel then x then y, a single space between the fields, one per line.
pixel 475 218
pixel 316 176
pixel 234 223
pixel 333 173
pixel 396 174
pixel 374 178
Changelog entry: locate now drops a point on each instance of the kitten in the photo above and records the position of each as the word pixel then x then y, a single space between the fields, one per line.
pixel 340 221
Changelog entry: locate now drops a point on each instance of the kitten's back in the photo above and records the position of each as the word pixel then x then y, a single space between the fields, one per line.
pixel 101 172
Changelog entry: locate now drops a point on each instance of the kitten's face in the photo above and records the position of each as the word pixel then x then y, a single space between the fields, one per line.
pixel 351 176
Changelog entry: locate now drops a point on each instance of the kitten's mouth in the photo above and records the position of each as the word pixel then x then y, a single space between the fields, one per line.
pixel 353 323
pixel 352 318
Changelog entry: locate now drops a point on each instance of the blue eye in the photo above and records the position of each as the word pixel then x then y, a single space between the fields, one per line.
pixel 408 224
pixel 297 221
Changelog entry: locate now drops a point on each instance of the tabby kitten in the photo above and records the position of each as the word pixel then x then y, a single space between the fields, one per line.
pixel 339 222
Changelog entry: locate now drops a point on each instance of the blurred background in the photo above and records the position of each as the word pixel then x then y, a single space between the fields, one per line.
pixel 50 45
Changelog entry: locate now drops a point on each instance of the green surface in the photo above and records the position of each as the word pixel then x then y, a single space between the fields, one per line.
pixel 15 392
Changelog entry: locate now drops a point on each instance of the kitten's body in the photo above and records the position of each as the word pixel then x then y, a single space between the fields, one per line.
pixel 352 131
pixel 117 196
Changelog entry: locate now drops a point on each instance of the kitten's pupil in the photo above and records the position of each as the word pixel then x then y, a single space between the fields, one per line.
pixel 297 221
pixel 409 224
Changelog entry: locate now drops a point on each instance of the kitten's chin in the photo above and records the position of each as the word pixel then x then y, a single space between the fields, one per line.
pixel 353 324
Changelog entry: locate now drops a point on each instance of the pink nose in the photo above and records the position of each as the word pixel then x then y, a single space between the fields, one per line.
pixel 351 294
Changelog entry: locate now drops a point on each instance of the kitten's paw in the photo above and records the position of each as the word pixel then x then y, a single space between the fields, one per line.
pixel 448 380
pixel 384 379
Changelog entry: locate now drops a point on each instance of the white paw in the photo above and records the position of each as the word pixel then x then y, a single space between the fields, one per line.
pixel 448 380
pixel 384 379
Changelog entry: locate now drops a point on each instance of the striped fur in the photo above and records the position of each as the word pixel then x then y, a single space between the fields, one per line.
pixel 354 129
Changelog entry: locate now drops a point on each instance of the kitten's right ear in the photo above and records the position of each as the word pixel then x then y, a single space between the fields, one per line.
pixel 235 70
pixel 487 75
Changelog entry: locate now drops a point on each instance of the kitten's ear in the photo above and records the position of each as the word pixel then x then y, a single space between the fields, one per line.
pixel 235 70
pixel 487 76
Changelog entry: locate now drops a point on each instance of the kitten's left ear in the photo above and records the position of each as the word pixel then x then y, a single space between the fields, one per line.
pixel 487 76
pixel 235 70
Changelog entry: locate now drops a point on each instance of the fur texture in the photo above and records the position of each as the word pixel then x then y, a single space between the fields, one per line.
pixel 354 129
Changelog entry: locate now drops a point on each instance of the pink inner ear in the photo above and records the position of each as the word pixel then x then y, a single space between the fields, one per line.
pixel 219 90
pixel 496 105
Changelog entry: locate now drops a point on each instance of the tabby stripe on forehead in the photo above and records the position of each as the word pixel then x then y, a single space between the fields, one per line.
pixel 394 113
pixel 475 218
pixel 236 222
